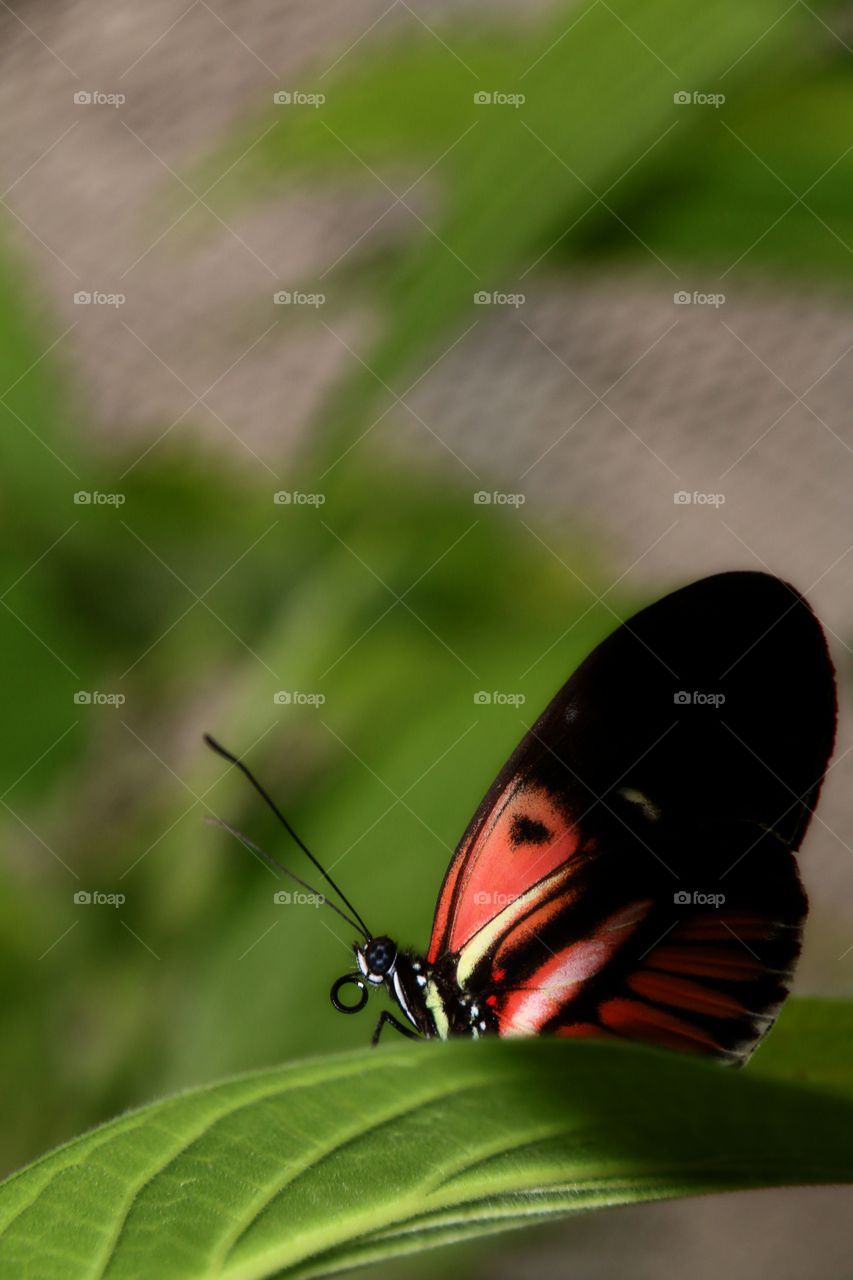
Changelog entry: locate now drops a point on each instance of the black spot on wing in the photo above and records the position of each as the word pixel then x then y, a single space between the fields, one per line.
pixel 525 830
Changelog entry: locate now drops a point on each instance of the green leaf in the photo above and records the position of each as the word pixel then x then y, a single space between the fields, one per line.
pixel 311 1169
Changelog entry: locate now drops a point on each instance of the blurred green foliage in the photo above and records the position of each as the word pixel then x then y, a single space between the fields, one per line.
pixel 600 161
pixel 397 600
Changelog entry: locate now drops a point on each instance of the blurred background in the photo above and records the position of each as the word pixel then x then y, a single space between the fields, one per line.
pixel 358 361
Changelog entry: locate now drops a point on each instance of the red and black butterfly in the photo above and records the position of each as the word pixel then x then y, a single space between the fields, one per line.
pixel 631 871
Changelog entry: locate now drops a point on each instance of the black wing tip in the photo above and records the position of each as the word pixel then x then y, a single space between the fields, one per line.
pixel 757 589
pixel 748 579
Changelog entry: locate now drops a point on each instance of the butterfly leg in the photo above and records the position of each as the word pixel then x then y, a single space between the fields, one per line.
pixel 386 1017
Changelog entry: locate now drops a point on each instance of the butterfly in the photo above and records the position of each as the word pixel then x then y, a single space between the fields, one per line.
pixel 631 872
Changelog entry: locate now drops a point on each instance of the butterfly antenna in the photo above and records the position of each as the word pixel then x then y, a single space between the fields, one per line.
pixel 220 750
pixel 277 866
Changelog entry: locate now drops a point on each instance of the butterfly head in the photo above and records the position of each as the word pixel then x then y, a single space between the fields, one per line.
pixel 376 960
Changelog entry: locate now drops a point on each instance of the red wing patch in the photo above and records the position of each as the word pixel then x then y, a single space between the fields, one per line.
pixel 711 985
pixel 622 923
pixel 555 985
pixel 583 1031
pixel 524 839
pixel 680 993
pixel 640 1021
pixel 706 962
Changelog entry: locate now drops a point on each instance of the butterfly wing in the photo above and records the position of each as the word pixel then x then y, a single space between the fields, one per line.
pixel 631 871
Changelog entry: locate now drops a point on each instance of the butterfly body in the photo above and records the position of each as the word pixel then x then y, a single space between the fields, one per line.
pixel 429 997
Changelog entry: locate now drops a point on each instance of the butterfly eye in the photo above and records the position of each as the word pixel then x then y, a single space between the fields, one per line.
pixel 380 956
pixel 356 980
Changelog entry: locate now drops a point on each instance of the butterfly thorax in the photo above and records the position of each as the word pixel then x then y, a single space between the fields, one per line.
pixel 434 1003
